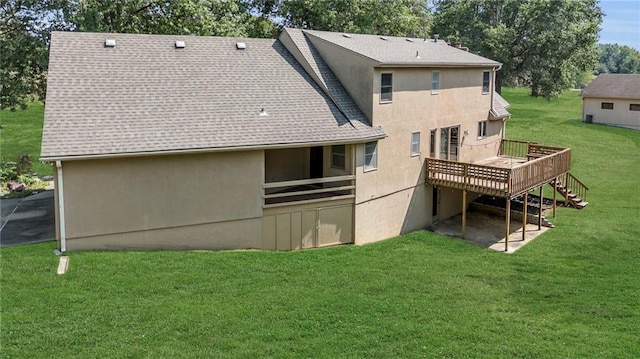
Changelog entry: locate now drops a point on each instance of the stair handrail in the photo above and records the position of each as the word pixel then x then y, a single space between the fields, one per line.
pixel 576 186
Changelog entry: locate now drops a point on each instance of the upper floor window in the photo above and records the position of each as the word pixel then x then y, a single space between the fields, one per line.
pixel 634 107
pixel 606 105
pixel 482 129
pixel 370 156
pixel 435 82
pixel 386 87
pixel 486 82
pixel 432 144
pixel 338 156
pixel 415 143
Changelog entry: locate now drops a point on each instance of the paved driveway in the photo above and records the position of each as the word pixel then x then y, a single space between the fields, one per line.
pixel 28 220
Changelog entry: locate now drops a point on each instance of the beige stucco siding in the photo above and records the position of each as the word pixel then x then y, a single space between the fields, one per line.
pixel 621 115
pixel 394 198
pixel 187 201
pixel 354 71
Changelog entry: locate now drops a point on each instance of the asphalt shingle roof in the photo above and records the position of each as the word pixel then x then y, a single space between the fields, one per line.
pixel 144 95
pixel 326 78
pixel 499 107
pixel 401 51
pixel 625 86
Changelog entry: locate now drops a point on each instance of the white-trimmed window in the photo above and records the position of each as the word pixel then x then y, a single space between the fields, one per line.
pixel 486 82
pixel 435 82
pixel 338 156
pixel 432 144
pixel 482 129
pixel 415 144
pixel 386 87
pixel 370 156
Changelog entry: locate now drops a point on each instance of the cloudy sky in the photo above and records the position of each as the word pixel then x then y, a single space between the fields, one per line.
pixel 621 23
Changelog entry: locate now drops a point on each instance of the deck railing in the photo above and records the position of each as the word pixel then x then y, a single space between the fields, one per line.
pixel 305 191
pixel 548 163
pixel 512 148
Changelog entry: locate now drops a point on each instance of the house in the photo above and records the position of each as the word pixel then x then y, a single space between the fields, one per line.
pixel 612 99
pixel 312 139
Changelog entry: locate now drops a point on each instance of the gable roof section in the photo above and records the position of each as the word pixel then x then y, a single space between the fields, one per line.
pixel 311 60
pixel 146 96
pixel 401 51
pixel 622 86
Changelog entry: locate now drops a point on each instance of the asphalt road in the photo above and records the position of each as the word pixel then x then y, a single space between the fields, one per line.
pixel 28 220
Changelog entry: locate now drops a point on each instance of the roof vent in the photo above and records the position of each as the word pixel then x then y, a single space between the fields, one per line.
pixel 383 38
pixel 241 45
pixel 436 37
pixel 263 112
pixel 347 36
pixel 110 43
pixel 417 54
pixel 410 40
pixel 179 44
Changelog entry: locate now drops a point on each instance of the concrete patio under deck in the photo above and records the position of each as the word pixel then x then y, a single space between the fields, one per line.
pixel 488 231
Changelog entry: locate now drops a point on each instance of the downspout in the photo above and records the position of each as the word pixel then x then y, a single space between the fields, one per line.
pixel 63 234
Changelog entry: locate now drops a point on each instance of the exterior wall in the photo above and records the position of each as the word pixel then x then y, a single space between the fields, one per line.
pixel 394 198
pixel 286 164
pixel 204 201
pixel 354 71
pixel 620 115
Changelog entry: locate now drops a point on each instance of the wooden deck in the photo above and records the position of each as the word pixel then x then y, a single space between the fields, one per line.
pixel 520 167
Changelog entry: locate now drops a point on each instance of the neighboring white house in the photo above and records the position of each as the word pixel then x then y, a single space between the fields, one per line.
pixel 613 99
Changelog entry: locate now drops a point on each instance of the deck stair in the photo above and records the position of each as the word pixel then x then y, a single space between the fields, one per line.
pixel 572 189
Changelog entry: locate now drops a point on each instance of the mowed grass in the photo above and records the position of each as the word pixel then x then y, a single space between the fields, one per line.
pixel 574 292
pixel 21 133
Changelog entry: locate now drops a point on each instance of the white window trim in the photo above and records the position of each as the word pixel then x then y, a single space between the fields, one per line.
pixel 489 86
pixel 437 90
pixel 482 129
pixel 369 168
pixel 415 153
pixel 344 156
pixel 385 73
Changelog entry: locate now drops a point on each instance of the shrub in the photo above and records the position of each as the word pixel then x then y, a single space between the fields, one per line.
pixel 24 165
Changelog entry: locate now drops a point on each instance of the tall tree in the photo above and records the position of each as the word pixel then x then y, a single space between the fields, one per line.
pixel 544 44
pixel 24 34
pixel 618 59
pixel 384 17
pixel 198 17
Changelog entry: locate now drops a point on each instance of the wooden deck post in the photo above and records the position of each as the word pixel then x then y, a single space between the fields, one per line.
pixel 555 190
pixel 506 225
pixel 524 215
pixel 540 209
pixel 464 213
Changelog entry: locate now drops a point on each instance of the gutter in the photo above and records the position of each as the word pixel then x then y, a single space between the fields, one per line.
pixel 63 231
pixel 210 150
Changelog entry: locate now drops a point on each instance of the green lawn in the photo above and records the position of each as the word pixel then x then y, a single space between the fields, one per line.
pixel 21 133
pixel 574 292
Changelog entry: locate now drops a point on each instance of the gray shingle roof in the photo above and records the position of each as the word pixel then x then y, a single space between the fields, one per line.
pixel 401 51
pixel 325 77
pixel 614 86
pixel 499 107
pixel 144 95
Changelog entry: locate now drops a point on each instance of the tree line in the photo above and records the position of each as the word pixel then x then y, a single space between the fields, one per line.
pixel 543 44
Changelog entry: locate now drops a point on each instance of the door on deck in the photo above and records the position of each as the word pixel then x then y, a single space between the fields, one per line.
pixel 449 141
pixel 316 161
